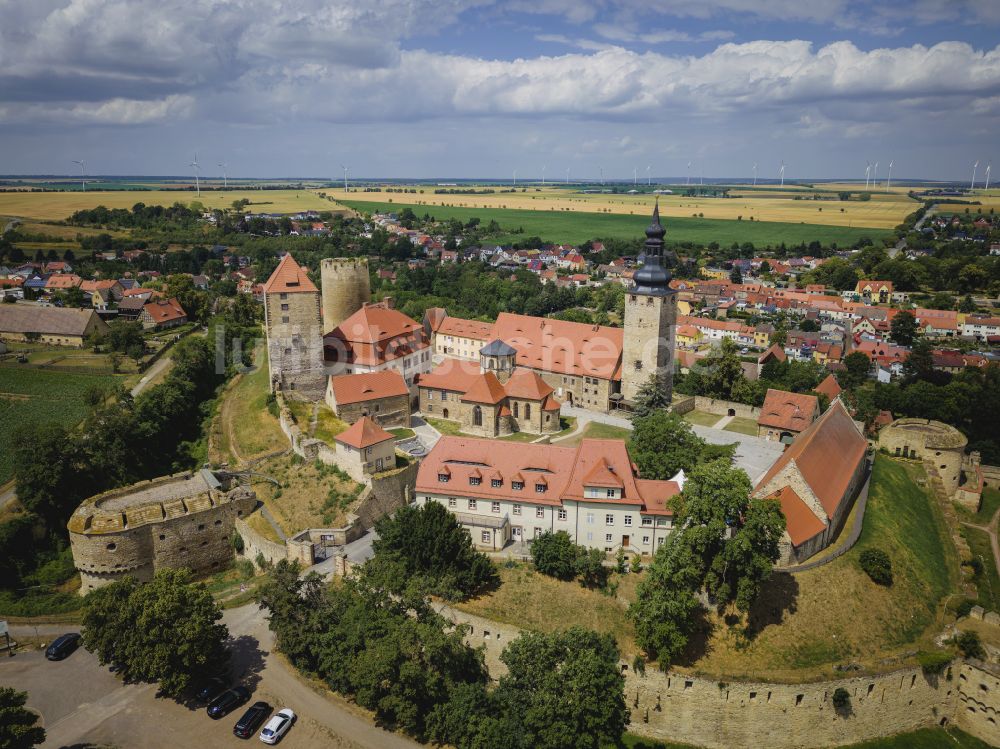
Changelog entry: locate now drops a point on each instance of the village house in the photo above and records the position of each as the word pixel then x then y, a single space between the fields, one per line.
pixel 162 314
pixel 510 493
pixel 877 292
pixel 53 325
pixel 365 448
pixel 382 396
pixel 981 328
pixel 785 415
pixel 102 294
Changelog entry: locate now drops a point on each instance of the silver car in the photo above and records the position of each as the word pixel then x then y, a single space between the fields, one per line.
pixel 278 726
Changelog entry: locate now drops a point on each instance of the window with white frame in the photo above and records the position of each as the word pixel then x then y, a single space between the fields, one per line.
pixel 496 483
pixel 517 485
pixel 452 502
pixel 590 518
pixel 562 514
pixel 628 520
pixel 612 493
pixel 540 488
pixel 475 481
pixel 645 540
pixel 609 519
pixel 495 507
pixel 487 537
pixel 607 537
pixel 472 504
pixel 539 512
pixel 647 521
pixel 590 535
pixel 516 509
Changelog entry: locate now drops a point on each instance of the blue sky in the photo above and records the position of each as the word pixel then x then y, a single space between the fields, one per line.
pixel 479 88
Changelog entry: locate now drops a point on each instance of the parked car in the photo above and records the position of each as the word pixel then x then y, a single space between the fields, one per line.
pixel 211 689
pixel 228 701
pixel 278 726
pixel 251 720
pixel 62 646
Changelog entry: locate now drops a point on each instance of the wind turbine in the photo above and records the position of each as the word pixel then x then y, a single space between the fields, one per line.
pixel 888 179
pixel 544 167
pixel 515 178
pixel 755 174
pixel 989 167
pixel 601 170
pixel 689 173
pixel 197 173
pixel 875 175
pixel 345 176
pixel 567 175
pixel 648 178
pixel 781 173
pixel 868 171
pixel 83 173
pixel 225 179
pixel 635 176
pixel 974 168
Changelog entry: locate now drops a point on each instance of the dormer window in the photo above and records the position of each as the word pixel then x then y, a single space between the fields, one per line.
pixel 517 485
pixel 496 483
pixel 443 477
pixel 475 480
pixel 540 488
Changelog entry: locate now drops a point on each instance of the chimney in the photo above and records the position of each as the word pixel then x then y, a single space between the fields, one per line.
pixel 389 302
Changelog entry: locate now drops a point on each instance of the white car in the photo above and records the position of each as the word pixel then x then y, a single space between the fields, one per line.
pixel 278 726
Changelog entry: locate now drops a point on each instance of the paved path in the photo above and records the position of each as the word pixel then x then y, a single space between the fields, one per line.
pixel 274 524
pixel 853 533
pixel 82 703
pixel 723 422
pixel 991 531
pixel 428 435
pixel 158 366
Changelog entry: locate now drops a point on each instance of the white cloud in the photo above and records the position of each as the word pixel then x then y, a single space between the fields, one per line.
pixel 111 112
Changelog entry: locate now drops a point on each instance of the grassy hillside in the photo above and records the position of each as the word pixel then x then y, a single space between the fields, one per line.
pixel 576 227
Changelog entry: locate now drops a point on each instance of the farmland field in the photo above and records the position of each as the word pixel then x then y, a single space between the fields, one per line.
pixel 883 211
pixel 60 205
pixel 576 227
pixel 35 396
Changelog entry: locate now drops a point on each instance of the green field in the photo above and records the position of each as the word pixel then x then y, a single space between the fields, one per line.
pixel 576 227
pixel 34 396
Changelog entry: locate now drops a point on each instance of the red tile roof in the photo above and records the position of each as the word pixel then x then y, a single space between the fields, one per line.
pixel 458 326
pixel 776 352
pixel 829 387
pixel 356 388
pixel 561 346
pixel 376 334
pixel 791 411
pixel 826 455
pixel 363 433
pixel 165 311
pixel 288 277
pixel 485 389
pixel 63 281
pixel 800 521
pixel 525 383
pixel 456 375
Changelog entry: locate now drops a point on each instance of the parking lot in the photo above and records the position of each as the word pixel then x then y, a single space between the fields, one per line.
pixel 83 703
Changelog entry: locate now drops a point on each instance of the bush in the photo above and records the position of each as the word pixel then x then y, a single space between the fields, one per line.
pixel 964 607
pixel 590 567
pixel 934 662
pixel 970 645
pixel 841 700
pixel 237 542
pixel 555 555
pixel 877 566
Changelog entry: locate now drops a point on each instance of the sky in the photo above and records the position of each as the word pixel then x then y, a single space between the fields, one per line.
pixel 481 88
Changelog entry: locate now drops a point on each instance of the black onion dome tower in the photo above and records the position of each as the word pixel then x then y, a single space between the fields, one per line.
pixel 650 318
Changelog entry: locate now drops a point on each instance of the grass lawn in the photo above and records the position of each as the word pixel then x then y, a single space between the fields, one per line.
pixel 259 523
pixel 328 425
pixel 598 431
pixel 248 429
pixel 793 636
pixel 402 433
pixel 925 738
pixel 312 495
pixel 35 396
pixel 454 429
pixel 987 581
pixel 701 418
pixel 991 503
pixel 578 226
pixel 742 425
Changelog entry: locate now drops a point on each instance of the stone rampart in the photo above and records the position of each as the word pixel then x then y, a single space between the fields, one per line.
pixel 725 408
pixel 254 545
pixel 684 405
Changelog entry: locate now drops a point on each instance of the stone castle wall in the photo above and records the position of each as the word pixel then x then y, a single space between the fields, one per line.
pixel 388 413
pixel 295 347
pixel 199 540
pixel 346 288
pixel 722 715
pixel 649 341
pixel 722 408
pixel 255 544
pixel 938 445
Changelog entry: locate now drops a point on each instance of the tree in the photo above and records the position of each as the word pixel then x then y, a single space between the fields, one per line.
pixel 809 326
pixel 724 378
pixel 652 396
pixel 841 700
pixel 164 631
pixel 856 368
pixel 548 672
pixel 555 555
pixel 919 365
pixel 904 328
pixel 877 565
pixel 662 444
pixel 967 304
pixel 736 275
pixel 590 568
pixel 17 723
pixel 765 268
pixel 427 547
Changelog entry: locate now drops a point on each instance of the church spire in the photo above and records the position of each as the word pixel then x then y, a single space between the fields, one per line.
pixel 652 278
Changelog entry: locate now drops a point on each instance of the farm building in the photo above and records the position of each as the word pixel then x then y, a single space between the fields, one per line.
pixel 53 325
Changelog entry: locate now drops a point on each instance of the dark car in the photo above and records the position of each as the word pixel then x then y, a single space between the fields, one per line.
pixel 251 720
pixel 228 701
pixel 211 689
pixel 62 646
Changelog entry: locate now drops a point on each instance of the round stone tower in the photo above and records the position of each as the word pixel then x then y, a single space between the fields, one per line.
pixel 346 288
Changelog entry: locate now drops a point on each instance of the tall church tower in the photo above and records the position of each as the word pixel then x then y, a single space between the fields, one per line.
pixel 294 332
pixel 650 319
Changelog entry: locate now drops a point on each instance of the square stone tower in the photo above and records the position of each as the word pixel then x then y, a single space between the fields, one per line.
pixel 650 319
pixel 294 331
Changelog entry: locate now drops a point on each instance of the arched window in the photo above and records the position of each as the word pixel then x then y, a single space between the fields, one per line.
pixel 527 411
pixel 477 416
pixel 516 411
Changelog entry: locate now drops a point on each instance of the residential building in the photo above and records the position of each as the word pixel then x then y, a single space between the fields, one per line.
pixel 162 314
pixel 509 492
pixel 829 387
pixel 53 325
pixel 365 448
pixel 382 396
pixel 981 328
pixel 874 292
pixel 460 338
